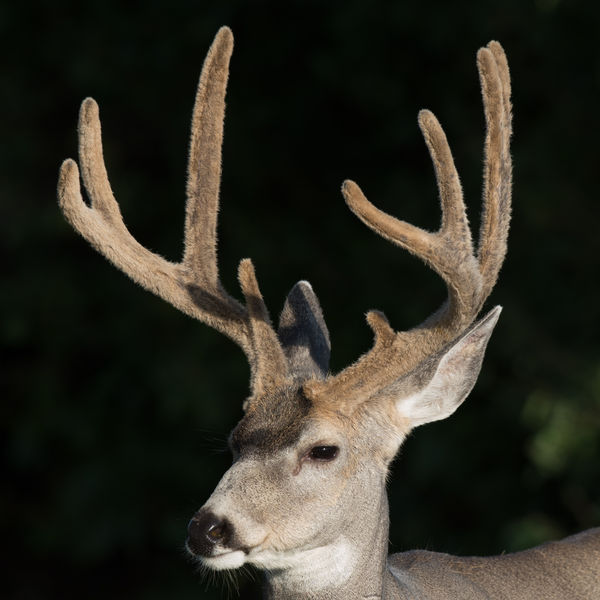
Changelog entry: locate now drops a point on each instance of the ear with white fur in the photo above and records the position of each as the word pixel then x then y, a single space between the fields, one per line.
pixel 450 378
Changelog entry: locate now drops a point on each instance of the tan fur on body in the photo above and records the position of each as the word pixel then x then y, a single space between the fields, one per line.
pixel 553 571
pixel 305 496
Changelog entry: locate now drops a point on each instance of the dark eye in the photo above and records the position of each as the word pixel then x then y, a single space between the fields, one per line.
pixel 323 453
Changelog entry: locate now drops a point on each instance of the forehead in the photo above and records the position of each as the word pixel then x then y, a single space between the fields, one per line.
pixel 273 421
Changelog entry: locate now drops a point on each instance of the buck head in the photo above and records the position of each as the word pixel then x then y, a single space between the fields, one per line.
pixel 309 467
pixel 311 453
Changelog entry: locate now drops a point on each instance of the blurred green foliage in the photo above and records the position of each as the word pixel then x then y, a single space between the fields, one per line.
pixel 115 408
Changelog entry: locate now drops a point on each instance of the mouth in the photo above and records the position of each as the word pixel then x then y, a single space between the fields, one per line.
pixel 227 559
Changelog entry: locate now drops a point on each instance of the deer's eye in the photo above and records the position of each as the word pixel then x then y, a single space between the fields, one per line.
pixel 323 453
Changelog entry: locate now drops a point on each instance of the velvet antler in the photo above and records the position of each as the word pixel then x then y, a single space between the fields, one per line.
pixel 469 277
pixel 191 285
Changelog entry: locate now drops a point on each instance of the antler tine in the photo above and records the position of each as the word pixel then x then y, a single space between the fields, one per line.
pixel 204 164
pixel 192 285
pixel 270 359
pixel 102 226
pixel 495 88
pixel 449 251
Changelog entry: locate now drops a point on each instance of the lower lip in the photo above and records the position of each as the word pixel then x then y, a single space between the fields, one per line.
pixel 227 560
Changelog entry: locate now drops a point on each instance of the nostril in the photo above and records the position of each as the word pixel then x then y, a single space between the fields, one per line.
pixel 205 531
pixel 217 532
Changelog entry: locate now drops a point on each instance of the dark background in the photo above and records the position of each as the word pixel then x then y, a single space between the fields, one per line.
pixel 115 407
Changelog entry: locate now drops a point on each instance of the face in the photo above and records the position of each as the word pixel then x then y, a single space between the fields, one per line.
pixel 308 474
pixel 293 485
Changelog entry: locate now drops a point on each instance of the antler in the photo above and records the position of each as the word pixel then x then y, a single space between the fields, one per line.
pixel 191 285
pixel 449 251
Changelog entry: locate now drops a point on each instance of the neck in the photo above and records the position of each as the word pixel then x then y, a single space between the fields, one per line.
pixel 352 566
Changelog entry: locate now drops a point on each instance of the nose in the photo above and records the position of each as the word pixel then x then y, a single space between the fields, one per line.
pixel 206 530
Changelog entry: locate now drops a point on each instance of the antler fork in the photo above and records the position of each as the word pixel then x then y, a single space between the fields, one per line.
pixel 191 285
pixel 449 251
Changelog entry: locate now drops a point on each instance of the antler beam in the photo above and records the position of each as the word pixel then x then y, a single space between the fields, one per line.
pixel 192 285
pixel 449 252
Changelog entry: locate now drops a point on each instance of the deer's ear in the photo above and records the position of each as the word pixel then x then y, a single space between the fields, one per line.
pixel 450 378
pixel 303 334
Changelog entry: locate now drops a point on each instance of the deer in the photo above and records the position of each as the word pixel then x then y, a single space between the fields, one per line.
pixel 305 497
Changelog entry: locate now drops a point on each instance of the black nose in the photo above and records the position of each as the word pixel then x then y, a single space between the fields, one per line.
pixel 206 530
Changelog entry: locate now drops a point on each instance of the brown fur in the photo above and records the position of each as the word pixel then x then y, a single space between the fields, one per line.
pixel 273 421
